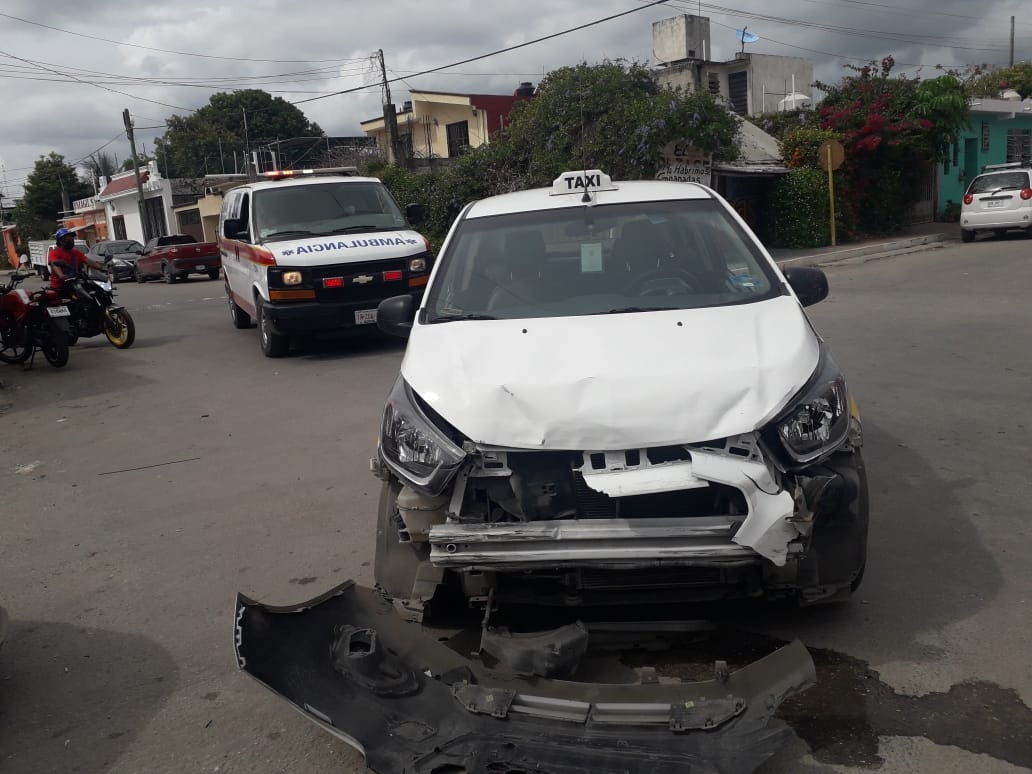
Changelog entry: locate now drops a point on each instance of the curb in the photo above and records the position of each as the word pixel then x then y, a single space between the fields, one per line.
pixel 880 249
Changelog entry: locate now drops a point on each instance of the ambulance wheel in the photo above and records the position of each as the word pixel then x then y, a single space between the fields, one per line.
pixel 240 318
pixel 273 344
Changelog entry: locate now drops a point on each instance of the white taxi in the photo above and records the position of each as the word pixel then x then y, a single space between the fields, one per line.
pixel 611 394
pixel 307 252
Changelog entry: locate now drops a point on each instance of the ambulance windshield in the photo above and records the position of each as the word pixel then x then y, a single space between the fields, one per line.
pixel 321 209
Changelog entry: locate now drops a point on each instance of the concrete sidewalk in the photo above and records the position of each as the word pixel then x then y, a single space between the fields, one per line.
pixel 920 236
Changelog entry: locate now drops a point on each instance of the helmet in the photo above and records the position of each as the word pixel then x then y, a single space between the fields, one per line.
pixel 62 232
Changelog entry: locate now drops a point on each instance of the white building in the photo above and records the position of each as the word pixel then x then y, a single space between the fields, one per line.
pixel 749 83
pixel 120 199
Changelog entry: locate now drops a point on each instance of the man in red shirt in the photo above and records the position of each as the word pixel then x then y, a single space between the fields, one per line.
pixel 65 260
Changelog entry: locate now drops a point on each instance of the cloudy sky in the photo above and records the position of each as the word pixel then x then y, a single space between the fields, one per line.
pixel 69 67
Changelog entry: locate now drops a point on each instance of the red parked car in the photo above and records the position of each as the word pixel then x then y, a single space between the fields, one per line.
pixel 177 256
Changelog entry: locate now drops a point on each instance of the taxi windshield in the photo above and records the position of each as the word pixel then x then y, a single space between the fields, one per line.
pixel 607 259
pixel 322 209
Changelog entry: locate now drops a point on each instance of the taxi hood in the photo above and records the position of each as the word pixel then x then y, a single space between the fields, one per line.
pixel 346 248
pixel 617 381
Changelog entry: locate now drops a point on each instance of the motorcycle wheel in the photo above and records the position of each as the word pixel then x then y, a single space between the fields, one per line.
pixel 14 344
pixel 119 328
pixel 15 347
pixel 55 348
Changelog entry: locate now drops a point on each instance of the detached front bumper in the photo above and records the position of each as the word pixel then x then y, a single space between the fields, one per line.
pixel 412 705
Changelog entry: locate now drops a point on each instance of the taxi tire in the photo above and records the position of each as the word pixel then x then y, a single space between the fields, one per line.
pixel 273 344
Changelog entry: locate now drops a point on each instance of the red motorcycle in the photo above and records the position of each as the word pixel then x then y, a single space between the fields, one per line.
pixel 31 320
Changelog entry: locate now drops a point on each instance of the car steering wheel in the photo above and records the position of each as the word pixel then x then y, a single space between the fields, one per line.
pixel 683 278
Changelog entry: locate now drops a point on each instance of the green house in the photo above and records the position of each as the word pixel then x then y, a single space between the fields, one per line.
pixel 1000 132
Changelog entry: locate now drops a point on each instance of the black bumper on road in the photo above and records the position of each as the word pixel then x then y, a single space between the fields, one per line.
pixel 412 705
pixel 298 318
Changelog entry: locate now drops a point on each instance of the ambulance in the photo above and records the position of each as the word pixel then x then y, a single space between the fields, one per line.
pixel 314 251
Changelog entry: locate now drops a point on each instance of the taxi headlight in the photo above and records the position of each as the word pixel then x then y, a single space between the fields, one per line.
pixel 417 451
pixel 292 278
pixel 819 421
pixel 417 264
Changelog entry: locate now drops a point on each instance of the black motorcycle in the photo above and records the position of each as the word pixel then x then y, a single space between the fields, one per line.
pixel 94 311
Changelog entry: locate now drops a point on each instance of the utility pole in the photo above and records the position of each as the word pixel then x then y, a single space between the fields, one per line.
pixel 390 117
pixel 136 171
pixel 1012 43
pixel 247 142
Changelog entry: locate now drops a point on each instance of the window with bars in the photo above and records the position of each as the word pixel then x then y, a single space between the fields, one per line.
pixel 738 92
pixel 1019 145
pixel 458 138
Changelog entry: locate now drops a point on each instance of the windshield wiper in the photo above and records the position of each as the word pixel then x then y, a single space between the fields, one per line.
pixel 289 232
pixel 452 317
pixel 632 309
pixel 349 229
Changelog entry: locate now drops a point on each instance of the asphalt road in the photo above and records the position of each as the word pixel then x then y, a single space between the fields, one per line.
pixel 142 489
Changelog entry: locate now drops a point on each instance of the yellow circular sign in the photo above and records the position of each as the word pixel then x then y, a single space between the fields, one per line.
pixel 831 154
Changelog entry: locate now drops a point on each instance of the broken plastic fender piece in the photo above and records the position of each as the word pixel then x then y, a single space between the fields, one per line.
pixel 412 705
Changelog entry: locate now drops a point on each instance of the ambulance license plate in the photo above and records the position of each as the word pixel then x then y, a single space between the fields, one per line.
pixel 365 316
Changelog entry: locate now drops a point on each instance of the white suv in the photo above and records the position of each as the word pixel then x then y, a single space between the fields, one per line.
pixel 997 200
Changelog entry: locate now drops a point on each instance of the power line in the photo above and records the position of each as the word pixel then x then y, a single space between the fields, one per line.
pixel 919 14
pixel 169 51
pixel 96 85
pixel 792 22
pixel 506 50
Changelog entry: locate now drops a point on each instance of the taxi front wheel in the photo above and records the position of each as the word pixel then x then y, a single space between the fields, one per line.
pixel 273 344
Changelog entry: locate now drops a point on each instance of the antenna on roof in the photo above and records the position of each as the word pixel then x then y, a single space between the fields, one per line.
pixel 746 37
pixel 586 198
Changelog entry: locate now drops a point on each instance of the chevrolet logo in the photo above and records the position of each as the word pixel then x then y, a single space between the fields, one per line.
pixel 362 279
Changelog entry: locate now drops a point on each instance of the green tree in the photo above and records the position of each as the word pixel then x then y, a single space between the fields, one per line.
pixel 100 164
pixel 142 159
pixel 997 81
pixel 51 184
pixel 206 141
pixel 892 128
pixel 611 116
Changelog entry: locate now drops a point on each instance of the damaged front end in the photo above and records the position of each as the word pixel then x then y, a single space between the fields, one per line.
pixel 780 511
pixel 412 704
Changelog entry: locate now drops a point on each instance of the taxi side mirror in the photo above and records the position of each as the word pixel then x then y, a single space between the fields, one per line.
pixel 395 315
pixel 415 214
pixel 809 284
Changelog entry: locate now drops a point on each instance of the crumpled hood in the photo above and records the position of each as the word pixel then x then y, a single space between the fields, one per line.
pixel 614 382
pixel 347 248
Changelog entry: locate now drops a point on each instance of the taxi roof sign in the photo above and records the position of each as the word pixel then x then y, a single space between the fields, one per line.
pixel 586 181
